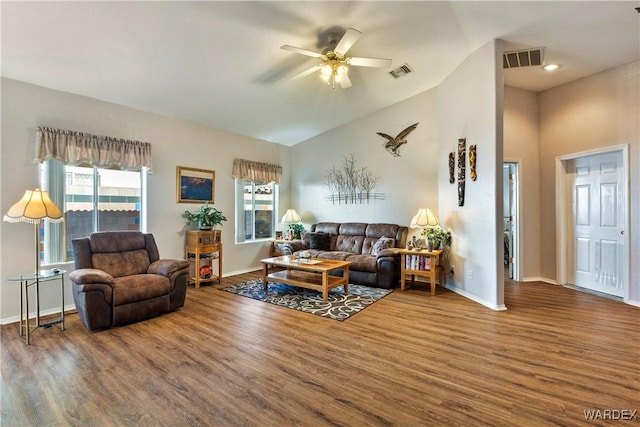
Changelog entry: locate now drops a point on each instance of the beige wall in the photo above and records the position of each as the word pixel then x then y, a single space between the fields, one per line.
pixel 470 106
pixel 467 104
pixel 174 142
pixel 408 182
pixel 592 113
pixel 521 144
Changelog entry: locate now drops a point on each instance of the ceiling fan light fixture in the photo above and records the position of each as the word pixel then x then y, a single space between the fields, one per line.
pixel 334 66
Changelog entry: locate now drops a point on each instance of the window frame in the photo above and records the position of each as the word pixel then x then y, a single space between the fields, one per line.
pixel 240 211
pixel 53 175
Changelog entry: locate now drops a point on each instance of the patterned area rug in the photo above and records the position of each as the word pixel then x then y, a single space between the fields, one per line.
pixel 338 306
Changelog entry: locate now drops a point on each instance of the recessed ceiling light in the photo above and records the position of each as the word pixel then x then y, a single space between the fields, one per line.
pixel 551 67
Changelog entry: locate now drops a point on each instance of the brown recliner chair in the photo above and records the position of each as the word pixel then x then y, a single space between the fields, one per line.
pixel 120 279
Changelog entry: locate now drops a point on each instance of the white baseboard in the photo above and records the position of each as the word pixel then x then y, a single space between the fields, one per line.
pixel 539 279
pixel 632 302
pixel 500 307
pixel 43 313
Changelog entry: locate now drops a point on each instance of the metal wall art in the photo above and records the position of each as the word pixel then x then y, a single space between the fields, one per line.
pixel 462 159
pixel 472 162
pixel 452 167
pixel 393 144
pixel 350 184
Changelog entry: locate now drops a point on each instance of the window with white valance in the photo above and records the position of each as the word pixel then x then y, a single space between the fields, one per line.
pixel 256 199
pixel 99 182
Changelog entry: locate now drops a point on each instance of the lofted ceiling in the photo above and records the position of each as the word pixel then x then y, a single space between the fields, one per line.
pixel 220 63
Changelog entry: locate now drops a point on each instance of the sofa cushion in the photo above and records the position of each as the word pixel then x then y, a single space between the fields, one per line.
pixel 326 227
pixel 139 287
pixel 335 255
pixel 320 241
pixel 363 263
pixel 120 264
pixel 381 244
pixel 116 241
pixel 347 243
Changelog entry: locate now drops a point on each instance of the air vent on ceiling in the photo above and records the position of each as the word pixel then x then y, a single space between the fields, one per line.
pixel 403 70
pixel 522 58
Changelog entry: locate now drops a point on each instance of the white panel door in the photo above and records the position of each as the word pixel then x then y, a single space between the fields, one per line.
pixel 598 209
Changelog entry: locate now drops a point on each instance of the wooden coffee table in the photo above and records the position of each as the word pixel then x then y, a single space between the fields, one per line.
pixel 312 273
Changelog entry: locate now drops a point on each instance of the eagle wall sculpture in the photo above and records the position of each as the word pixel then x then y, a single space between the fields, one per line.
pixel 393 144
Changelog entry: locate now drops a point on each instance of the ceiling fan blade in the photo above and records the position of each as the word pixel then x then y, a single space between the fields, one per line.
pixel 348 39
pixel 301 51
pixel 345 82
pixel 307 72
pixel 369 62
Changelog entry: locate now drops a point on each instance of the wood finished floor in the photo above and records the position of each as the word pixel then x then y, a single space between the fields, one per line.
pixel 411 359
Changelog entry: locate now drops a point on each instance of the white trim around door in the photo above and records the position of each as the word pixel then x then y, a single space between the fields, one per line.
pixel 563 211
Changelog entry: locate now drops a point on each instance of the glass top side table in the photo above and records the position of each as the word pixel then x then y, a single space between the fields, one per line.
pixel 32 280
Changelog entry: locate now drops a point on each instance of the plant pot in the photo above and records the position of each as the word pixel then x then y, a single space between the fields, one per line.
pixel 204 227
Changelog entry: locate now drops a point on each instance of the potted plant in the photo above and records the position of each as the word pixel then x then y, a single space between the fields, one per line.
pixel 437 237
pixel 297 230
pixel 206 217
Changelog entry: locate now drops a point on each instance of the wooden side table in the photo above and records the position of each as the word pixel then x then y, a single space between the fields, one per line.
pixel 274 252
pixel 421 263
pixel 203 246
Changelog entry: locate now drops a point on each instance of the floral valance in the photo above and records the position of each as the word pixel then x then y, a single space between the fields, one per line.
pixel 77 148
pixel 258 172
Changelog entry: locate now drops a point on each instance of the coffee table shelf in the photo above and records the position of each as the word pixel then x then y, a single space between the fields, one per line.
pixel 306 280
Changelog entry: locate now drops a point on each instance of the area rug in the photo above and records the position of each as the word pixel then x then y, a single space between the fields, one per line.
pixel 339 306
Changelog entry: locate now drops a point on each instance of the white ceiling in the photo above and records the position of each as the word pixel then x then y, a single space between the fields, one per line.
pixel 220 63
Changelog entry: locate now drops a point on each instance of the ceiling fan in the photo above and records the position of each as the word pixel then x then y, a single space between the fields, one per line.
pixel 334 67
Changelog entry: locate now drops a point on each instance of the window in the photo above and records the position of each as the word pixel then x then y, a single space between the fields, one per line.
pixel 92 199
pixel 255 211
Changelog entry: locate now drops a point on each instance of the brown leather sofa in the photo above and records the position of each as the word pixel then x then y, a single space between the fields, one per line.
pixel 356 242
pixel 120 279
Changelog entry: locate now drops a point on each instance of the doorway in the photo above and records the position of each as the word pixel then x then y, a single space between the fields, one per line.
pixel 511 220
pixel 593 217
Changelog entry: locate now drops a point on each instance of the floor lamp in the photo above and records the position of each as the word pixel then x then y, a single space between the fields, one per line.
pixel 35 206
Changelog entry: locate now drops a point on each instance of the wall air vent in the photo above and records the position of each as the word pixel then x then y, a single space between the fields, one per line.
pixel 403 70
pixel 522 58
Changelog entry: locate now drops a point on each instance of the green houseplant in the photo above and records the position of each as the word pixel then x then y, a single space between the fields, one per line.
pixel 297 229
pixel 206 217
pixel 438 236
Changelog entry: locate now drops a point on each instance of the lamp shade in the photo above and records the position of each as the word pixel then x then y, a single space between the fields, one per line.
pixel 424 218
pixel 34 206
pixel 291 216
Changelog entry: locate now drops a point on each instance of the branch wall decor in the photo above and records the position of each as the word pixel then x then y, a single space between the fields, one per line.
pixel 350 184
pixel 462 159
pixel 393 144
pixel 472 162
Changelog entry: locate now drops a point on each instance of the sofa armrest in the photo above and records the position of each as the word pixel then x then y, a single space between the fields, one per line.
pixel 86 276
pixel 166 267
pixel 389 252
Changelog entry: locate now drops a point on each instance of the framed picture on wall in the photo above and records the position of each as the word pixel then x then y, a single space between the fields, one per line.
pixel 195 185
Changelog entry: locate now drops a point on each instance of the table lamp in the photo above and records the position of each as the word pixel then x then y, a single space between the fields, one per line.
pixel 424 219
pixel 35 206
